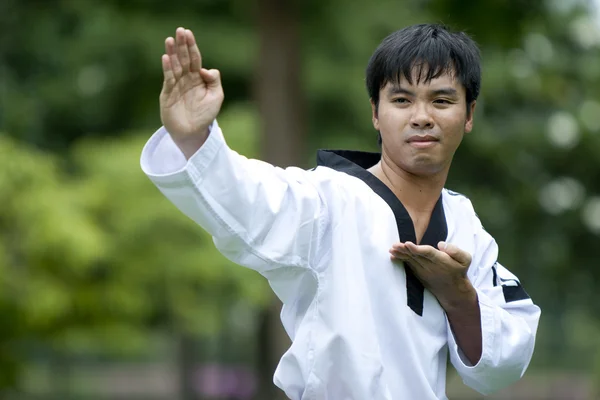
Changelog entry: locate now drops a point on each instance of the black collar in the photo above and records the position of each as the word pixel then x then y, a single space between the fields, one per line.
pixel 356 163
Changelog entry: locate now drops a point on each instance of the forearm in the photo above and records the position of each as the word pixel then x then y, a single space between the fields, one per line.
pixel 253 210
pixel 507 345
pixel 464 315
pixel 491 337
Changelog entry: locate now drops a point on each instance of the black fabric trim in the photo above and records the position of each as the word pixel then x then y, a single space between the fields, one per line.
pixel 514 293
pixel 356 163
pixel 511 293
pixel 453 193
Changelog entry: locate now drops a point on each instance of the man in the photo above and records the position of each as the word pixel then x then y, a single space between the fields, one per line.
pixel 382 271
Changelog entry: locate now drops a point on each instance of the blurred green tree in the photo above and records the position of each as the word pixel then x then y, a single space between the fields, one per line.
pixel 98 259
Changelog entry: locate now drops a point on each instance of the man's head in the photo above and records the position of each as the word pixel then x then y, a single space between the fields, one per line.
pixel 423 82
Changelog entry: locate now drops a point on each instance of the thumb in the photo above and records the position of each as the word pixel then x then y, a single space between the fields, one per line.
pixel 460 256
pixel 212 77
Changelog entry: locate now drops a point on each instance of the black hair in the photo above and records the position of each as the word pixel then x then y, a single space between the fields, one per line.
pixel 429 51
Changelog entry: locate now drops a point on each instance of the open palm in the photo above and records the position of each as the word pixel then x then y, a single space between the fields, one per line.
pixel 191 96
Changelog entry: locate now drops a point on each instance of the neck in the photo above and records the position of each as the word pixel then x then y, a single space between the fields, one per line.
pixel 419 194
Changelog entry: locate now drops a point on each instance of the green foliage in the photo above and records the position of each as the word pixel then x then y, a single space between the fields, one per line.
pixel 94 260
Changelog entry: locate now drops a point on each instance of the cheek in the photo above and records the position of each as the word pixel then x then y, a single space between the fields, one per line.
pixel 391 119
pixel 453 127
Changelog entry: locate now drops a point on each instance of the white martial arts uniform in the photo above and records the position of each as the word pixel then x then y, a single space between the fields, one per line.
pixel 362 326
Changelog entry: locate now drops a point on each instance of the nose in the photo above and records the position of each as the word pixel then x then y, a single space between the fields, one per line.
pixel 421 118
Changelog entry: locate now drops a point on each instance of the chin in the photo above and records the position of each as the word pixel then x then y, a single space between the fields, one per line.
pixel 424 168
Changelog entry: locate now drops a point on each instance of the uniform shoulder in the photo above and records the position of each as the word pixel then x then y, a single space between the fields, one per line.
pixel 459 203
pixel 345 185
pixel 457 199
pixel 326 175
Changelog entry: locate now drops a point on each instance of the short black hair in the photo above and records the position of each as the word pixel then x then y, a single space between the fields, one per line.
pixel 431 49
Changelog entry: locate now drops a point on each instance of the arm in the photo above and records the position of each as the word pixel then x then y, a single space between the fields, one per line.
pixel 492 322
pixel 508 326
pixel 260 216
pixel 444 271
pixel 464 317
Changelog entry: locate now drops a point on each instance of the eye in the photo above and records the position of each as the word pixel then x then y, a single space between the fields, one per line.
pixel 400 100
pixel 442 101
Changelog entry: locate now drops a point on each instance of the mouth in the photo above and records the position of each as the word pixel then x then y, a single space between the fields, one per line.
pixel 422 141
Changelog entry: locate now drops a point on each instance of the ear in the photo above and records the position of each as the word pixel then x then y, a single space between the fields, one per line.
pixel 470 116
pixel 375 116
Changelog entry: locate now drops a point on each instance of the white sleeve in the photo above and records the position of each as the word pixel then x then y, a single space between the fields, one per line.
pixel 509 321
pixel 260 216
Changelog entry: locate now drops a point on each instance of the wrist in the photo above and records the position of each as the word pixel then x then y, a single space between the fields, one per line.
pixel 461 296
pixel 192 143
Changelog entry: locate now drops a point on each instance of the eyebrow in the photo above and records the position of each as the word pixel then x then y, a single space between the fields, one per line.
pixel 398 90
pixel 437 92
pixel 445 91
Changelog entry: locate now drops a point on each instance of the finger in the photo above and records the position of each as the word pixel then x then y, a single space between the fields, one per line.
pixel 212 77
pixel 400 256
pixel 460 256
pixel 173 58
pixel 406 256
pixel 170 46
pixel 422 251
pixel 182 49
pixel 169 78
pixel 401 247
pixel 405 259
pixel 195 56
pixel 394 257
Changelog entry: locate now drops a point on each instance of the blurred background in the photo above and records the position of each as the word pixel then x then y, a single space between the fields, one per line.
pixel 108 292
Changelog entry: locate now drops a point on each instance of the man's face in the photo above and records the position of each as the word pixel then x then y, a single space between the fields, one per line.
pixel 422 125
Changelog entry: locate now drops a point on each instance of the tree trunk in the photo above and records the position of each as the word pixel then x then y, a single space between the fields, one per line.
pixel 280 101
pixel 186 363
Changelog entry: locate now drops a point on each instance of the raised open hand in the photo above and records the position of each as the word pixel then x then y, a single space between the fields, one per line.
pixel 191 96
